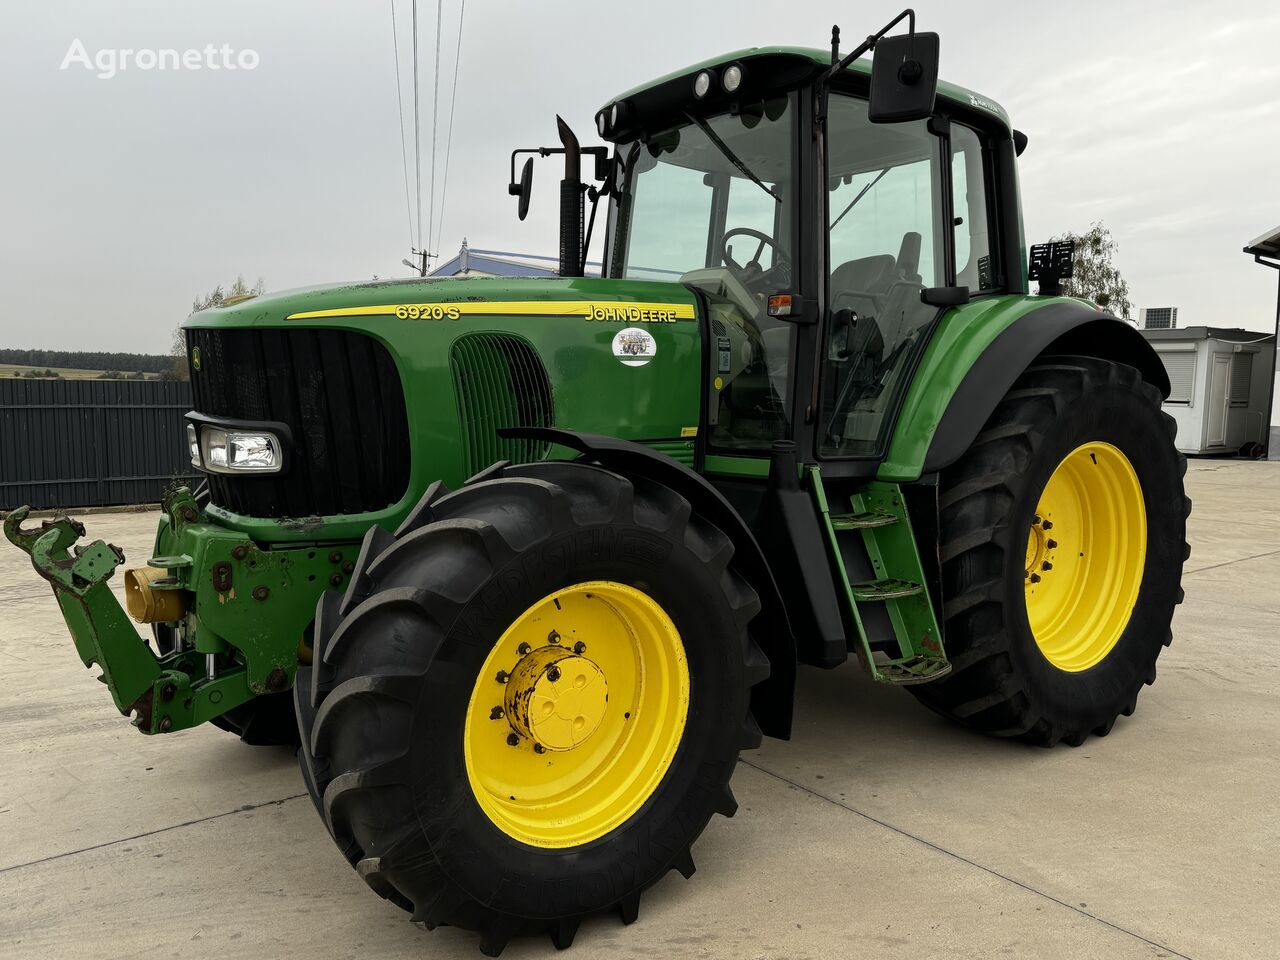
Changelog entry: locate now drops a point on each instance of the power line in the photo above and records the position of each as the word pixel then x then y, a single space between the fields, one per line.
pixel 417 116
pixel 448 141
pixel 404 150
pixel 435 113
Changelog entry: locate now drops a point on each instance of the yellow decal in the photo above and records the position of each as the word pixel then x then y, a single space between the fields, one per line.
pixel 688 431
pixel 719 383
pixel 610 311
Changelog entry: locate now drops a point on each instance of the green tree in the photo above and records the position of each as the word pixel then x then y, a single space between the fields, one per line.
pixel 217 297
pixel 1096 277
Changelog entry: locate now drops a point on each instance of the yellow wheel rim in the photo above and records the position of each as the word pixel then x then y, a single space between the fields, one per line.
pixel 1086 552
pixel 577 714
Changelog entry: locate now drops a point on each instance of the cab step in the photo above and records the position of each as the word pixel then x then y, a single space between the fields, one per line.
pixel 875 526
pixel 913 670
pixel 861 521
pixel 887 589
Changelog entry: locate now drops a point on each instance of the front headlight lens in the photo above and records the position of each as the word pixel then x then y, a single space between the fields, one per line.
pixel 193 445
pixel 236 451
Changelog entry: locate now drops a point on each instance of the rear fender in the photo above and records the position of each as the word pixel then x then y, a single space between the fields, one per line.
pixel 771 700
pixel 943 421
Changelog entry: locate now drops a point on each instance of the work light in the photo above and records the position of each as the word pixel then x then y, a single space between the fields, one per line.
pixel 732 77
pixel 702 84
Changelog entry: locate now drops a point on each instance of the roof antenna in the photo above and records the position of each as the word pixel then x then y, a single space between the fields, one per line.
pixel 835 43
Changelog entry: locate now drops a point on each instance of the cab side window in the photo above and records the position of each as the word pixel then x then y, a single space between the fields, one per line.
pixel 977 266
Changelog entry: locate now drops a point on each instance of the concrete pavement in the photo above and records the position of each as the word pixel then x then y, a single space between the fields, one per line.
pixel 880 831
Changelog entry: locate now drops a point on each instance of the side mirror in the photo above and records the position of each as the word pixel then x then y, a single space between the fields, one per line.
pixel 904 78
pixel 523 189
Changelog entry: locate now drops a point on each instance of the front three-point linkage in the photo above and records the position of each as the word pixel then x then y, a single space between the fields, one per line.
pixel 99 627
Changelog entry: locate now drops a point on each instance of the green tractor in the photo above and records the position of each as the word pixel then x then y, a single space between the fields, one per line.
pixel 522 565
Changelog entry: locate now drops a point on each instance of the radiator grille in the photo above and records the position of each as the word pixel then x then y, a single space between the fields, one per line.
pixel 339 393
pixel 499 382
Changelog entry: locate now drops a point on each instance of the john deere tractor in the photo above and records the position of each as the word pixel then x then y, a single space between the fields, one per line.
pixel 522 565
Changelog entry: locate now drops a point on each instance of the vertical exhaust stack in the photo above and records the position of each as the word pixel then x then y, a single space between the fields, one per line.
pixel 571 207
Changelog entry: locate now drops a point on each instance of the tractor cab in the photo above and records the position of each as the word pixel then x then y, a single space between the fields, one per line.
pixel 824 227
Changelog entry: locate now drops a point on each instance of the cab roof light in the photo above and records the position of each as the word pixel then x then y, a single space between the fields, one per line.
pixel 732 77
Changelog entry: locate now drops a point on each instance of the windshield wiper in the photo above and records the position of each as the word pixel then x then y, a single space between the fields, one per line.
pixel 861 193
pixel 731 156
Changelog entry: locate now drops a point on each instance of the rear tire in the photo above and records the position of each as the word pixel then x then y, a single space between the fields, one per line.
pixel 402 667
pixel 1058 684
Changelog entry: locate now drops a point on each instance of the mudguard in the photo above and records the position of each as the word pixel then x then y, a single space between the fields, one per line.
pixel 773 699
pixel 1062 327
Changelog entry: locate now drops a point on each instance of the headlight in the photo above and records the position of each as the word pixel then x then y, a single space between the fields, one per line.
pixel 240 451
pixel 193 444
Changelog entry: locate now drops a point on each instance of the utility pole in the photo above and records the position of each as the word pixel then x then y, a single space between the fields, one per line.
pixel 421 266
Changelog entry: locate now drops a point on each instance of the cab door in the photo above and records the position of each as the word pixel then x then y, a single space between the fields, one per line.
pixel 887 242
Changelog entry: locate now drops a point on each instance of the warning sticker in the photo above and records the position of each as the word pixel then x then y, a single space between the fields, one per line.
pixel 634 346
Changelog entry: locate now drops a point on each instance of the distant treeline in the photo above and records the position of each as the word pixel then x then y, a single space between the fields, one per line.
pixel 89 360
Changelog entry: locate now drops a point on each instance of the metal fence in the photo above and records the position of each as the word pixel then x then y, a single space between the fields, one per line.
pixel 83 443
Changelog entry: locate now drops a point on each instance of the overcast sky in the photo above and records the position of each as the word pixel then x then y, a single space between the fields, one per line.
pixel 125 198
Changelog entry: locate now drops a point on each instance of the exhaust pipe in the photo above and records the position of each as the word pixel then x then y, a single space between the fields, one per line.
pixel 149 598
pixel 571 212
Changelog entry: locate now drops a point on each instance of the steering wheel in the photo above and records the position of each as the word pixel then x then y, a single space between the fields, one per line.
pixel 753 274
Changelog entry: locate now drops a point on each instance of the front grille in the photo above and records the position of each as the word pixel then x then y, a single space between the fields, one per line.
pixel 339 393
pixel 499 382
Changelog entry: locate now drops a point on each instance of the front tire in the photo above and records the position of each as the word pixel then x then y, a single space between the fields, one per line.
pixel 1063 535
pixel 423 742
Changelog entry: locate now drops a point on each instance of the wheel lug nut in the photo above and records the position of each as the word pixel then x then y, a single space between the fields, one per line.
pixel 1048 524
pixel 553 637
pixel 1035 578
pixel 513 740
pixel 1051 544
pixel 1046 565
pixel 538 748
pixel 496 713
pixel 579 648
pixel 503 676
pixel 553 674
pixel 1035 521
pixel 523 649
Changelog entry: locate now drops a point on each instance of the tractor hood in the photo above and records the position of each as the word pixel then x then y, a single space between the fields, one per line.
pixel 271 308
pixel 374 390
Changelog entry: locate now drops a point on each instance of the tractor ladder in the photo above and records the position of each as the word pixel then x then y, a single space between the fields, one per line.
pixel 874 555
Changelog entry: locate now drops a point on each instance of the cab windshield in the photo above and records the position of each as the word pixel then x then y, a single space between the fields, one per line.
pixel 709 202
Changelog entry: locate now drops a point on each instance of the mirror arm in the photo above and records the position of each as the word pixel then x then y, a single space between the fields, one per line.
pixel 866 45
pixel 514 187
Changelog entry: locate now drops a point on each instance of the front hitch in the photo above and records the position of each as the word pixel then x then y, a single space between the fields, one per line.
pixel 99 627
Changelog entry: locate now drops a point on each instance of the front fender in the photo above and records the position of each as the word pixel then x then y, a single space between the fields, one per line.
pixel 975 357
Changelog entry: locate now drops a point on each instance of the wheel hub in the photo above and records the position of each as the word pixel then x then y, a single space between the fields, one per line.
pixel 556 698
pixel 577 713
pixel 1086 553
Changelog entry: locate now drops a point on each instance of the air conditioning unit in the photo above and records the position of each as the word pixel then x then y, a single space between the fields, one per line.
pixel 1158 318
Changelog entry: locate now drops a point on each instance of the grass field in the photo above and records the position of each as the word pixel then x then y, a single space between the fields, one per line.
pixel 7 370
